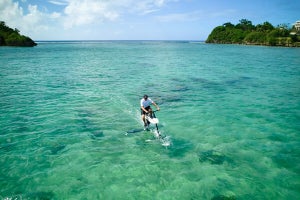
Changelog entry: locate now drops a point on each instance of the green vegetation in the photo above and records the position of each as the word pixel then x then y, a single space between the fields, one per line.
pixel 12 37
pixel 262 34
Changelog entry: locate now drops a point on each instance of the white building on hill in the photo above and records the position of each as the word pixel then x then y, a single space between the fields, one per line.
pixel 297 25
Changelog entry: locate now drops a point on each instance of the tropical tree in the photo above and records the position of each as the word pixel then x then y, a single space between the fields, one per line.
pixel 246 33
pixel 12 37
pixel 245 25
pixel 266 26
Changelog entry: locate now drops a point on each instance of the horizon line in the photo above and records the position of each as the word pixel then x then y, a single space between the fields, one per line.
pixel 84 40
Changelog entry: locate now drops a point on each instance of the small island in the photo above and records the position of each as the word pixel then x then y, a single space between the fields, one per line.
pixel 12 37
pixel 262 34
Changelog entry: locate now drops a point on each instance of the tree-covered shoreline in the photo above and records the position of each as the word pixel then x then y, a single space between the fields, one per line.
pixel 247 33
pixel 12 37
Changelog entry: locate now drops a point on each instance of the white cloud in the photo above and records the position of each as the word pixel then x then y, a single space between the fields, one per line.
pixel 145 7
pixel 79 12
pixel 193 16
pixel 58 2
pixel 159 2
pixel 30 21
pixel 41 23
pixel 181 17
pixel 9 10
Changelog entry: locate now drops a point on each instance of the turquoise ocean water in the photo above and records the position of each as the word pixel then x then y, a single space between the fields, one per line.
pixel 231 112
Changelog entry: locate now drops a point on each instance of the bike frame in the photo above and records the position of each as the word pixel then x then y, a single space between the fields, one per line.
pixel 153 114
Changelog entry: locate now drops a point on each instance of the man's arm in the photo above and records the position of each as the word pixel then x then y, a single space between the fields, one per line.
pixel 142 107
pixel 155 105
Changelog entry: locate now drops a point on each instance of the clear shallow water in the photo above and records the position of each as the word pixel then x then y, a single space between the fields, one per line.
pixel 232 113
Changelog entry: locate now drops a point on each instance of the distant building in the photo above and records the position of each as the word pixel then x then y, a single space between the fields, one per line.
pixel 297 25
pixel 296 31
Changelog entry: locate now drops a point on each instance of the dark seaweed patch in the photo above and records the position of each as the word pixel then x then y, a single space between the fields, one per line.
pixel 180 89
pixel 209 85
pixel 287 158
pixel 239 82
pixel 40 196
pixel 223 197
pixel 168 98
pixel 213 157
pixel 87 125
pixel 7 147
pixel 97 134
pixel 57 148
pixel 179 147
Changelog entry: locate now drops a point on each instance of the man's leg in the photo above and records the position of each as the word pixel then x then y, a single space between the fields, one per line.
pixel 146 125
pixel 143 119
pixel 150 112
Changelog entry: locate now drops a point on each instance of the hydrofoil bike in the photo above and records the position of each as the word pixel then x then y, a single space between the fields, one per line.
pixel 152 119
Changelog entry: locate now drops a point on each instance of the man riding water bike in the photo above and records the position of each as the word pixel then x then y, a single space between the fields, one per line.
pixel 146 108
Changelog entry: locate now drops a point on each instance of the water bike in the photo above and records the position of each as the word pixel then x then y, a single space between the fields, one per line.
pixel 152 119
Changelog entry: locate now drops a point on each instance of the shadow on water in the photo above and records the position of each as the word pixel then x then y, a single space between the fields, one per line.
pixel 132 131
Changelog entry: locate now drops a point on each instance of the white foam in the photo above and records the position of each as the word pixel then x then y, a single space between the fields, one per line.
pixel 166 141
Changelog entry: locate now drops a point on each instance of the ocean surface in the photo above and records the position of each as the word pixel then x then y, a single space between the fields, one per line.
pixel 70 124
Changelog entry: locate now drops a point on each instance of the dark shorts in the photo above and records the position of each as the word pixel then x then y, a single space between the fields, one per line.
pixel 143 112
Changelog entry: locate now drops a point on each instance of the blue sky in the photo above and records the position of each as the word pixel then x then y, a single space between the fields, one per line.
pixel 138 19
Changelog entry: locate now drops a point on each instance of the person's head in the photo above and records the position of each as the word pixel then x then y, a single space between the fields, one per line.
pixel 145 97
